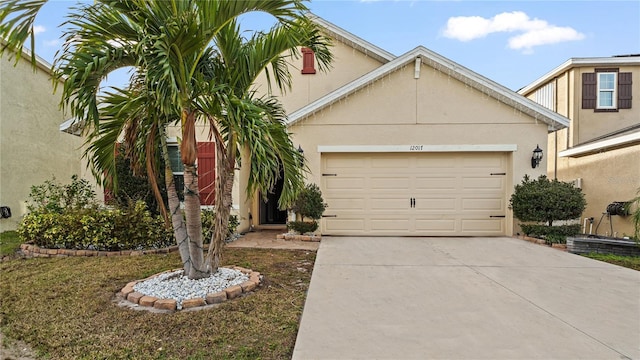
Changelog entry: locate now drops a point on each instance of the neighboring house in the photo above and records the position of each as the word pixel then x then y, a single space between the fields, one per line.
pixel 600 150
pixel 407 145
pixel 32 149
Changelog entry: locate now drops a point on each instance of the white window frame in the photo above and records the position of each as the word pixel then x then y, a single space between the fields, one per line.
pixel 614 91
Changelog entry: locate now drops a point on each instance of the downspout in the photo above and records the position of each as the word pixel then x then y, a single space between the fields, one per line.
pixel 555 152
pixel 416 75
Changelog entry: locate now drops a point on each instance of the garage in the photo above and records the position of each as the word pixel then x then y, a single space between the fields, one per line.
pixel 420 193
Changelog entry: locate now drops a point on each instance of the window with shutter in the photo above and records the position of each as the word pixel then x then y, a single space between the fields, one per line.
pixel 308 66
pixel 606 90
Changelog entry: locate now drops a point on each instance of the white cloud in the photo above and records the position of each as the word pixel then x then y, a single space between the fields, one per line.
pixel 53 43
pixel 535 32
pixel 39 29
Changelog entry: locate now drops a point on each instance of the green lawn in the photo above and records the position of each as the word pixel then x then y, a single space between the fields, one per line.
pixel 9 243
pixel 64 309
pixel 631 262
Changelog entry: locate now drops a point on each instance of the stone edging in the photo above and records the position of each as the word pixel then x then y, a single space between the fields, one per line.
pixel 127 293
pixel 289 237
pixel 562 247
pixel 30 250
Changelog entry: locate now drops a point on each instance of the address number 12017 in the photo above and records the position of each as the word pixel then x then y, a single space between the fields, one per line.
pixel 416 147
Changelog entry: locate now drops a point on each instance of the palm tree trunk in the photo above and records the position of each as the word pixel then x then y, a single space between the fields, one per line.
pixel 189 154
pixel 179 229
pixel 225 161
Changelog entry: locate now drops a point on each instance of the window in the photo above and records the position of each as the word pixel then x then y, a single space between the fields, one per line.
pixel 308 66
pixel 177 168
pixel 606 90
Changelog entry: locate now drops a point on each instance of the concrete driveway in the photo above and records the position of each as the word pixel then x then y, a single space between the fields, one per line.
pixel 466 298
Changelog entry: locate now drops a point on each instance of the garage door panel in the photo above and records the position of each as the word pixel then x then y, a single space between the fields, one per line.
pixel 492 183
pixel 344 162
pixel 345 183
pixel 483 226
pixel 436 183
pixel 435 226
pixel 344 225
pixel 347 203
pixel 391 162
pixel 381 203
pixel 436 204
pixel 389 183
pixel 491 204
pixel 392 225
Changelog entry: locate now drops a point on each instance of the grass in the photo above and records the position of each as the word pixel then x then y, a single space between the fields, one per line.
pixel 64 309
pixel 631 262
pixel 9 243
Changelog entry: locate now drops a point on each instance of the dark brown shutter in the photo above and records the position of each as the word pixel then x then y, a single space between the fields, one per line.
pixel 308 66
pixel 589 91
pixel 624 90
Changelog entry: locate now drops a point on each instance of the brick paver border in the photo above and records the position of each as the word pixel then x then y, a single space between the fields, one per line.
pixel 30 250
pixel 127 293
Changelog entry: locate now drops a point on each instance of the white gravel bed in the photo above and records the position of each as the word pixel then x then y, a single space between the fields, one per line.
pixel 174 285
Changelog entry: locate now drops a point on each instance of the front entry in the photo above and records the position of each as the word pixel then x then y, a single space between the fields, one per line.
pixel 269 212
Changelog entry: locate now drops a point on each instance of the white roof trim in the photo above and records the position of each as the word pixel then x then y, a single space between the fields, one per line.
pixel 457 71
pixel 416 148
pixel 602 145
pixel 578 62
pixel 353 40
pixel 72 126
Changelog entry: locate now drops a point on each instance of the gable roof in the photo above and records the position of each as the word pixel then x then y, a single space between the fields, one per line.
pixel 581 62
pixel 352 40
pixel 455 70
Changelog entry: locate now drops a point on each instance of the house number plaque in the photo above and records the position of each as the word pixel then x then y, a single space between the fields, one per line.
pixel 416 147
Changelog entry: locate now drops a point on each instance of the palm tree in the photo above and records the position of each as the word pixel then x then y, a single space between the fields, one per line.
pixel 172 45
pixel 256 123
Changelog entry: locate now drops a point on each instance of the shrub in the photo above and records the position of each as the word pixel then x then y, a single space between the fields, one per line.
pixel 309 203
pixel 543 200
pixel 128 228
pixel 134 187
pixel 208 226
pixel 302 227
pixel 552 234
pixel 53 197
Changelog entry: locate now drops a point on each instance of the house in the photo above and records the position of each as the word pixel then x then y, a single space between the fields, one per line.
pixel 600 149
pixel 407 145
pixel 32 149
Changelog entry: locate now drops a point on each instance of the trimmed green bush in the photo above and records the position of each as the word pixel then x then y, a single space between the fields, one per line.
pixel 302 227
pixel 309 203
pixel 545 200
pixel 129 228
pixel 53 197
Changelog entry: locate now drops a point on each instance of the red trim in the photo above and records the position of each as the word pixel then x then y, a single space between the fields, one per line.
pixel 207 172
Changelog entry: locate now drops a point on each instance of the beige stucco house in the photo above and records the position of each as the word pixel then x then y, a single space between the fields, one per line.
pixel 32 148
pixel 407 145
pixel 600 150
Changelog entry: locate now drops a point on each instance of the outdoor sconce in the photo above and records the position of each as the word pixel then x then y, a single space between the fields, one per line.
pixel 536 158
pixel 301 152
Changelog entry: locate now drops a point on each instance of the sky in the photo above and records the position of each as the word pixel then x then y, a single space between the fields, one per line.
pixel 510 42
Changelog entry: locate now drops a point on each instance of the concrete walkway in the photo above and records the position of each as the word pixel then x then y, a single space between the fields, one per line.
pixel 466 298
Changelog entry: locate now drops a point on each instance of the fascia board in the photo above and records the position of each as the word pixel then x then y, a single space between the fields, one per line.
pixel 359 43
pixel 601 145
pixel 579 62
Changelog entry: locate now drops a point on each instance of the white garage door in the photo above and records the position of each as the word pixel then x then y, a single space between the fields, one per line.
pixel 427 194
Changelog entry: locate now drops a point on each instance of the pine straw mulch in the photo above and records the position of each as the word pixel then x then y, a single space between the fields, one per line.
pixel 64 308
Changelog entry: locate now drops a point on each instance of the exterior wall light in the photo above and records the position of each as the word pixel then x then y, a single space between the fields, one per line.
pixel 301 152
pixel 537 157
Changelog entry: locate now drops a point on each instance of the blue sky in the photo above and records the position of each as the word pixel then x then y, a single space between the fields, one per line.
pixel 510 42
